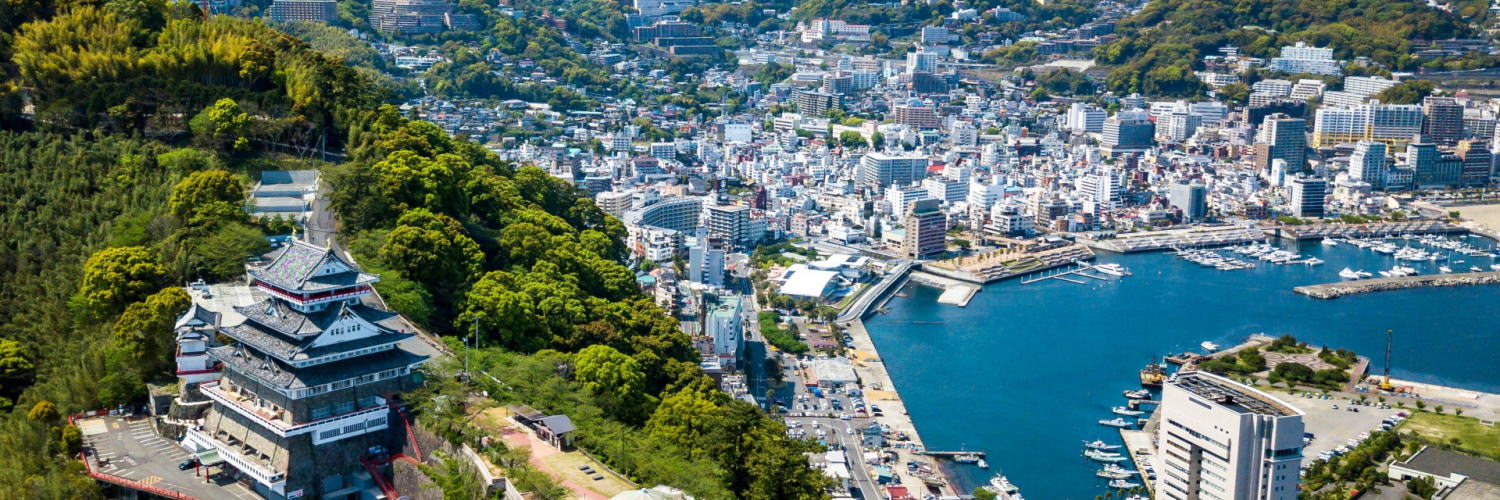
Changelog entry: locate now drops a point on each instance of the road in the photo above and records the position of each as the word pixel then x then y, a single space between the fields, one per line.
pixel 866 300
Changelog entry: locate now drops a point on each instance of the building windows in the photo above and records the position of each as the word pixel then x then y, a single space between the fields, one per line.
pixel 330 433
pixel 319 413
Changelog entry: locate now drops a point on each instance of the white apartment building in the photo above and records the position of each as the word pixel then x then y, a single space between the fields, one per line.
pixel 1388 123
pixel 1303 58
pixel 1221 440
pixel 1084 117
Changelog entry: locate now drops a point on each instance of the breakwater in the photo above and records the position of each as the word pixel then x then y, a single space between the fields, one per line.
pixel 1336 290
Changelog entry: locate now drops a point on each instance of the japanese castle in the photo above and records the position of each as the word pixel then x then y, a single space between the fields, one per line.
pixel 303 395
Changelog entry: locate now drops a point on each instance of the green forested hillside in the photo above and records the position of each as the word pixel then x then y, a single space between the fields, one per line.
pixel 1159 46
pixel 132 130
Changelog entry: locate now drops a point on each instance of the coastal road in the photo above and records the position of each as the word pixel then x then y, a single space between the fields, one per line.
pixel 844 435
pixel 873 293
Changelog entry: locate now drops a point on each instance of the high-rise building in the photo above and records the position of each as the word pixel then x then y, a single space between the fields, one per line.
pixel 1368 163
pixel 1388 123
pixel 1442 120
pixel 814 103
pixel 287 11
pixel 963 134
pixel 1128 132
pixel 1107 188
pixel 1478 163
pixel 1084 117
pixel 935 35
pixel 1306 195
pixel 706 265
pixel 921 61
pixel 1221 439
pixel 917 117
pixel 410 16
pixel 1282 137
pixel 728 224
pixel 308 383
pixel 878 169
pixel 1192 199
pixel 926 225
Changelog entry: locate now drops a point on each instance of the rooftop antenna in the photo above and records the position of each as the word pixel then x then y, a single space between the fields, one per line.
pixel 1386 383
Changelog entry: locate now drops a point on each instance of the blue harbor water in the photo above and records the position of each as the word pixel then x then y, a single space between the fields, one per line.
pixel 1025 372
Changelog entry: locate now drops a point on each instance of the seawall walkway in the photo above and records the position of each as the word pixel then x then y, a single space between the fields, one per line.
pixel 1336 290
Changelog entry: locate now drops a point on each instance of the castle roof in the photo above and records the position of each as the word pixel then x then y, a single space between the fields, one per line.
pixel 303 266
pixel 274 328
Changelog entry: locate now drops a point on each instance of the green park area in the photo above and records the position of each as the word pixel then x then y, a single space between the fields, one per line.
pixel 1462 433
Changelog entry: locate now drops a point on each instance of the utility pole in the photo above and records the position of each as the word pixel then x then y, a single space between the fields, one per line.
pixel 1386 383
pixel 472 336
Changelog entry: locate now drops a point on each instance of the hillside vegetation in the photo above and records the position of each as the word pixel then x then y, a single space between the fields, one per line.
pixel 1159 46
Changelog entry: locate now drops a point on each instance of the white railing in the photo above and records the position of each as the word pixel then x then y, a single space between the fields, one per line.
pixel 275 480
pixel 283 428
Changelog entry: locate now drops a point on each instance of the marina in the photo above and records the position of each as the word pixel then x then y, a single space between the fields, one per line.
pixel 1168 305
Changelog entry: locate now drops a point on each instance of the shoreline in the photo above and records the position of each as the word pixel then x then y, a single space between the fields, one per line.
pixel 871 370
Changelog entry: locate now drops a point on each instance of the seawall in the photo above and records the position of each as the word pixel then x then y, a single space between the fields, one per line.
pixel 1336 290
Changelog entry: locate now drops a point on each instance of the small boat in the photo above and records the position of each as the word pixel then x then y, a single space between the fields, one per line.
pixel 1121 410
pixel 1474 269
pixel 1101 445
pixel 1121 484
pixel 1349 274
pixel 1330 242
pixel 1138 394
pixel 1209 346
pixel 1117 469
pixel 1118 422
pixel 1445 269
pixel 1104 457
pixel 1111 475
pixel 1313 261
pixel 1000 484
pixel 1495 267
pixel 983 464
pixel 966 458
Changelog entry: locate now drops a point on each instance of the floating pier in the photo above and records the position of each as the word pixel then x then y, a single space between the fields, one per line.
pixel 1063 275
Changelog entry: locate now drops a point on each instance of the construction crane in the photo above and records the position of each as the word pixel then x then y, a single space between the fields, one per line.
pixel 1385 384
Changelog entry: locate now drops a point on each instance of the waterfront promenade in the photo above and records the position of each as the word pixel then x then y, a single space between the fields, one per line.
pixel 1340 289
pixel 881 391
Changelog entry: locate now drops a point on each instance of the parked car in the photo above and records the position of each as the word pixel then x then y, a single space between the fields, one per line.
pixel 188 464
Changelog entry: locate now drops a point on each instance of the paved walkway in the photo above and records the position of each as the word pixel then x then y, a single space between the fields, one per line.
pixel 881 391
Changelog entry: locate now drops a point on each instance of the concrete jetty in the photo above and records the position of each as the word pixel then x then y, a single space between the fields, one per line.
pixel 1369 230
pixel 879 389
pixel 955 292
pixel 1340 289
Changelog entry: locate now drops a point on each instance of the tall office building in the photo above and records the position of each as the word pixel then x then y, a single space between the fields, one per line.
pixel 1306 195
pixel 308 382
pixel 1282 137
pixel 1442 120
pixel 917 117
pixel 926 225
pixel 1220 439
pixel 920 61
pixel 879 170
pixel 1128 132
pixel 1368 163
pixel 1192 199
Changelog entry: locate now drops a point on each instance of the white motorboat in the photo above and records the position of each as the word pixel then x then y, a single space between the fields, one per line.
pixel 1101 445
pixel 1330 242
pixel 1121 484
pixel 1112 269
pixel 1111 475
pixel 1349 274
pixel 1495 267
pixel 1118 422
pixel 1118 469
pixel 1001 484
pixel 1445 269
pixel 1209 346
pixel 1104 457
pixel 1121 410
pixel 983 464
pixel 1138 394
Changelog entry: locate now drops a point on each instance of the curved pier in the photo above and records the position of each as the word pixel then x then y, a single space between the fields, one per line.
pixel 1340 289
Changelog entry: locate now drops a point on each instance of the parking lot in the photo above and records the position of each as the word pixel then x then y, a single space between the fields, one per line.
pixel 128 448
pixel 1331 427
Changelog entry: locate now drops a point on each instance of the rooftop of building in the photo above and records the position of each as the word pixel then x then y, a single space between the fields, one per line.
pixel 1232 395
pixel 1444 463
pixel 280 331
pixel 296 267
pixel 278 375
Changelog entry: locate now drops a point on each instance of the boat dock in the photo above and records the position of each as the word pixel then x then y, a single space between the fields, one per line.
pixel 952 454
pixel 1189 237
pixel 1340 289
pixel 1370 230
pixel 1141 444
pixel 1063 275
pixel 955 292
